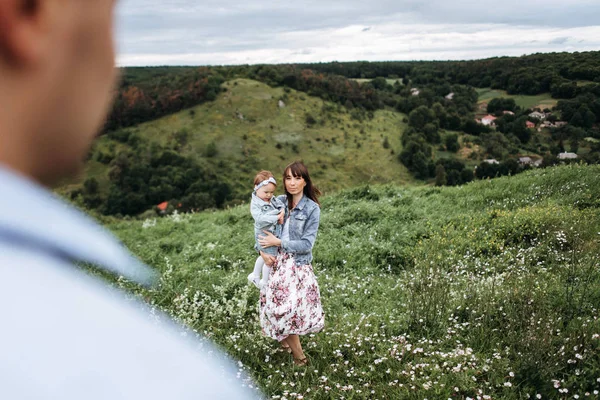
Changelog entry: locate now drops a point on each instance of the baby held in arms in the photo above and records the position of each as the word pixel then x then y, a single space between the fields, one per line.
pixel 268 213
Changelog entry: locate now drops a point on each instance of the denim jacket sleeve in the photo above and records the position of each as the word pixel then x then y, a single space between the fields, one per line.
pixel 306 242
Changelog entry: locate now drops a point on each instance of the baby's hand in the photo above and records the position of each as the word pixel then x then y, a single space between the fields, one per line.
pixel 280 217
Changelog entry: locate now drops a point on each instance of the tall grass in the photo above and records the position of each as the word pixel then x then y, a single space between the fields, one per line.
pixel 489 290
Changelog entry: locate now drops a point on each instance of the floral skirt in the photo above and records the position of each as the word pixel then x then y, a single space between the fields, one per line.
pixel 290 304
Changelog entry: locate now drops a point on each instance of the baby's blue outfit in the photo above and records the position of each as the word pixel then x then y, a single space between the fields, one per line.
pixel 265 216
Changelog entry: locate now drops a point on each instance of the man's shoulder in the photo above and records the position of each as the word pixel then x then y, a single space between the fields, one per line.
pixel 64 323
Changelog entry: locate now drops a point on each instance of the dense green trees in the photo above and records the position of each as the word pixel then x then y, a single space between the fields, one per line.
pixel 416 155
pixel 145 175
pixel 436 96
pixel 149 93
pixel 501 104
pixel 451 142
pixel 533 74
pixel 508 167
pixel 421 116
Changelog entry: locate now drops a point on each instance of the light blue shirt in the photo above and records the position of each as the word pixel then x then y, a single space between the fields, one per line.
pixel 65 335
pixel 285 232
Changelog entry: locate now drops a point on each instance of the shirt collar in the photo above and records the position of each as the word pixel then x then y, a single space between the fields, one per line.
pixel 302 203
pixel 32 214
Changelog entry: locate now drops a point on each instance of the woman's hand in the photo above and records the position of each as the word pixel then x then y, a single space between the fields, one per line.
pixel 269 240
pixel 268 259
pixel 280 217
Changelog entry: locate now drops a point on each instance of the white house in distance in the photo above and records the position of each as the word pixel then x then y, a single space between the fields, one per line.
pixel 525 160
pixel 488 120
pixel 491 161
pixel 449 96
pixel 414 91
pixel 538 115
pixel 567 156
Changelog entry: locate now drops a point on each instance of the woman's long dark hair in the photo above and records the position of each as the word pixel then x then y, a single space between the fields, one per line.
pixel 298 169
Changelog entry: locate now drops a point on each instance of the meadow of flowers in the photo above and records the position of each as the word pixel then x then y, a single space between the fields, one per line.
pixel 485 291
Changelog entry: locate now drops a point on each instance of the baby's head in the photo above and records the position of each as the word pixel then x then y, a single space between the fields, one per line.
pixel 265 185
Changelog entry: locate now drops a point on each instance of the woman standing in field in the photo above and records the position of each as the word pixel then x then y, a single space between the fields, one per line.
pixel 290 305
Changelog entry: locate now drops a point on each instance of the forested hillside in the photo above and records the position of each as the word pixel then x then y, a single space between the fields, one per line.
pixel 193 136
pixel 207 156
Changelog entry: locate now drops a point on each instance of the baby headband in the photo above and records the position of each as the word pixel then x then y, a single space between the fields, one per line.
pixel 265 182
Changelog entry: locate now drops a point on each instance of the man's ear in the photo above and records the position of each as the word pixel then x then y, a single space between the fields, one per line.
pixel 24 29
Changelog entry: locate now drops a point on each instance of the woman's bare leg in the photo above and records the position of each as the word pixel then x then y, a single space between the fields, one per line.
pixel 294 342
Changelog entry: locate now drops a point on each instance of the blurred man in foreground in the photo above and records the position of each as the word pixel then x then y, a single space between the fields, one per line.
pixel 64 334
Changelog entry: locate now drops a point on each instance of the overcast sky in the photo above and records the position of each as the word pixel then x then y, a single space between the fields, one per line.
pixel 186 32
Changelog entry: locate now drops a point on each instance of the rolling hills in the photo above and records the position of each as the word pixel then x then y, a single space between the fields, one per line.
pixel 251 126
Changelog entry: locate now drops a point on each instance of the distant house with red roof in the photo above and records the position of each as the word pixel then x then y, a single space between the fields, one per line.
pixel 162 207
pixel 488 120
pixel 530 124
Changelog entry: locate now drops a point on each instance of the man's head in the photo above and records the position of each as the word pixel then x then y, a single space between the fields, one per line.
pixel 57 75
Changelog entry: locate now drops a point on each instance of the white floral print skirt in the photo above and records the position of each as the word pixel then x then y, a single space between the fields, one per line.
pixel 290 304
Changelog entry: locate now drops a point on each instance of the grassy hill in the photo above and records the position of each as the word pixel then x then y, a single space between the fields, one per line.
pixel 542 101
pixel 488 289
pixel 245 130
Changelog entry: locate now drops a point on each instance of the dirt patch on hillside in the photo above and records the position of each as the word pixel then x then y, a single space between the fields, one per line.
pixel 465 152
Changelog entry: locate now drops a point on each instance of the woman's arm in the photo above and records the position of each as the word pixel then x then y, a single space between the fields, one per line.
pixel 268 240
pixel 307 241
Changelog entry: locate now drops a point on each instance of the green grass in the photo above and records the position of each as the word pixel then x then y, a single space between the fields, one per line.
pixel 489 289
pixel 542 101
pixel 339 150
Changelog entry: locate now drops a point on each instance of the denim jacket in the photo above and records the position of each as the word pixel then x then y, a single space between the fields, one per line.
pixel 304 225
pixel 265 219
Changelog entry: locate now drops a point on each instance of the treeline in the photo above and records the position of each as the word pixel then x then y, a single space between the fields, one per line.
pixel 533 74
pixel 452 113
pixel 145 94
pixel 144 174
pixel 328 87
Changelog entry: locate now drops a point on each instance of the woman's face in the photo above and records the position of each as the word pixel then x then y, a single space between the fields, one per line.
pixel 294 185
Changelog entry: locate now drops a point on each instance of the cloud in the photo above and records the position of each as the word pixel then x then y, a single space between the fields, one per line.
pixel 153 32
pixel 559 40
